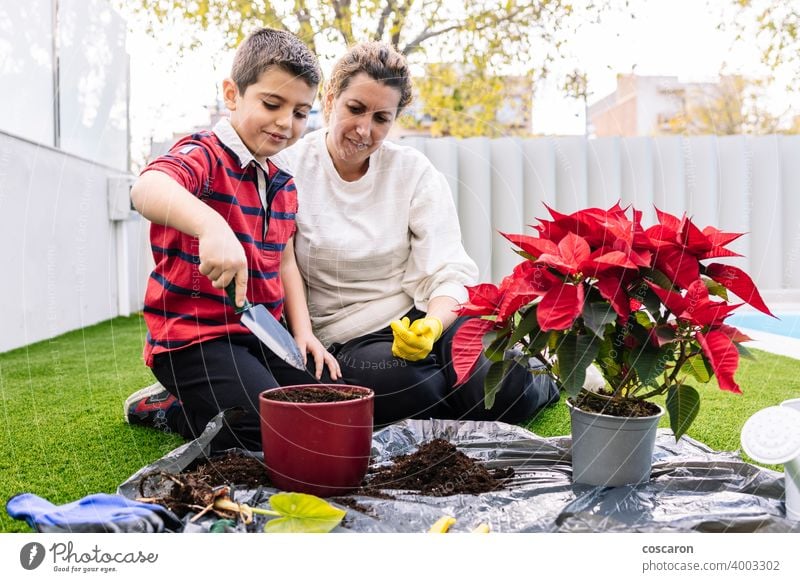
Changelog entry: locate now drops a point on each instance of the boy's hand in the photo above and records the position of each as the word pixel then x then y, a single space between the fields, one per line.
pixel 222 258
pixel 414 341
pixel 308 343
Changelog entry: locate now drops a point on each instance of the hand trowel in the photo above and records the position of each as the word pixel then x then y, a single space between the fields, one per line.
pixel 265 327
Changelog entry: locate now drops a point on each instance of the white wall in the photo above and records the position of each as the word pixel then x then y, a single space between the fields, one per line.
pixel 61 260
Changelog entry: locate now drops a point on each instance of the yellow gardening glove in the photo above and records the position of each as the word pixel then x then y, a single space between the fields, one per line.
pixel 414 341
pixel 442 524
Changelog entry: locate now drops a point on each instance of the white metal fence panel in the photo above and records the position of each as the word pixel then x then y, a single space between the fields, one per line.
pixel 735 183
pixel 669 174
pixel 507 201
pixel 637 176
pixel 604 172
pixel 734 199
pixel 766 223
pixel 538 177
pixel 572 176
pixel 790 200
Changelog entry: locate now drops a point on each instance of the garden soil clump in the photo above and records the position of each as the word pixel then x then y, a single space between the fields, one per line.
pixel 437 469
pixel 233 469
pixel 195 490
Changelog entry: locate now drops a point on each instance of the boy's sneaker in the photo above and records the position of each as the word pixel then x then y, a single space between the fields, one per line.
pixel 150 407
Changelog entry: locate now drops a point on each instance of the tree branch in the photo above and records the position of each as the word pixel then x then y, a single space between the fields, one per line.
pixel 343 21
pixel 387 10
pixel 304 31
pixel 400 15
pixel 489 20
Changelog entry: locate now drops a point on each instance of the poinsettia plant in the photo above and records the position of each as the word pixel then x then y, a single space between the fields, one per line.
pixel 640 304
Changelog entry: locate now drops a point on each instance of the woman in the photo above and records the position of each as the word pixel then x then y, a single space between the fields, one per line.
pixel 379 247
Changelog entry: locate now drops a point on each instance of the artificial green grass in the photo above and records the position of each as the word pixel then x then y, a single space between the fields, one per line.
pixel 64 436
pixel 61 400
pixel 765 381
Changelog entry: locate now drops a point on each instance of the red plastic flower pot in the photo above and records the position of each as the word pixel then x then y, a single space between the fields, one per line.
pixel 321 448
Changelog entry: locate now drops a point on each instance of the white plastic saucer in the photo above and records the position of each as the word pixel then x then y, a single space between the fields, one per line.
pixel 772 435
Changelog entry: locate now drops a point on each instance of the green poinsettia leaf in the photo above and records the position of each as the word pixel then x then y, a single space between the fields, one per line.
pixel 302 513
pixel 525 255
pixel 745 353
pixel 658 278
pixel 683 404
pixel 715 288
pixel 575 353
pixel 597 315
pixel 551 340
pixel 526 325
pixel 649 364
pixel 496 348
pixel 494 381
pixel 698 368
pixel 664 334
pixel 488 338
pixel 643 319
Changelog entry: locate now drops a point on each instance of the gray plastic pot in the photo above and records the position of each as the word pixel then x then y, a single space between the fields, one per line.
pixel 612 450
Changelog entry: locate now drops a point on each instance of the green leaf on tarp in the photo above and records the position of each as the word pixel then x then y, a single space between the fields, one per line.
pixel 596 315
pixel 649 364
pixel 494 381
pixel 525 326
pixel 683 404
pixel 697 368
pixel 575 354
pixel 302 513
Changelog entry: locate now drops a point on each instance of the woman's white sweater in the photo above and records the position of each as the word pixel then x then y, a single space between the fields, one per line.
pixel 369 250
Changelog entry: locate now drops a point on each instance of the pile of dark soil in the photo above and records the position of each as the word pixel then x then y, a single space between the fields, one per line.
pixel 312 394
pixel 436 469
pixel 197 489
pixel 235 469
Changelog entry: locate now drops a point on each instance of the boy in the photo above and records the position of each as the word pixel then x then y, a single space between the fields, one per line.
pixel 222 212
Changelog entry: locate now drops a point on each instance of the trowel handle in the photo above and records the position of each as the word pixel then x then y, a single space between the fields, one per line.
pixel 231 291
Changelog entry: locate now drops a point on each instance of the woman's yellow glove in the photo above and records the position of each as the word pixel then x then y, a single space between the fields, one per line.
pixel 414 341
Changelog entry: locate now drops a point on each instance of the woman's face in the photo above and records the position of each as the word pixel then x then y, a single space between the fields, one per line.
pixel 360 119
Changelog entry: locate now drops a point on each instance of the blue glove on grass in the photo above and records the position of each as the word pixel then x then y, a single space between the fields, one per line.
pixel 100 512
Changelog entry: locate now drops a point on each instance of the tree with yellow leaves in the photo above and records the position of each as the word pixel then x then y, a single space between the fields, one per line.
pixel 467 49
pixel 732 106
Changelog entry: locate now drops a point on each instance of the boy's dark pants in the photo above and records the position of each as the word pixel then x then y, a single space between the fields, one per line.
pixel 224 373
pixel 426 389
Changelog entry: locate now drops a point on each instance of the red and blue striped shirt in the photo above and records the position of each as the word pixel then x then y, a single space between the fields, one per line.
pixel 181 307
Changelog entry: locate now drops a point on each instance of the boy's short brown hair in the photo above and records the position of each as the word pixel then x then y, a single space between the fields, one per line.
pixel 269 47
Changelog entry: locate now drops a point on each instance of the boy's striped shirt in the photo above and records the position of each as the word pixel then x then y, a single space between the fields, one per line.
pixel 181 306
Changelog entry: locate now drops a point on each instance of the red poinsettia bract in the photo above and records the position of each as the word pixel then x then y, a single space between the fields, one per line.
pixel 598 274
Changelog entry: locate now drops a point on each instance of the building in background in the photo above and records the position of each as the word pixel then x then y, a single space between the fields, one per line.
pixel 645 105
